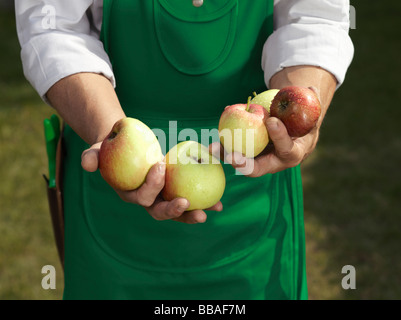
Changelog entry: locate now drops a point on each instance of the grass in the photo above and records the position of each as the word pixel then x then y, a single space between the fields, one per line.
pixel 26 241
pixel 351 182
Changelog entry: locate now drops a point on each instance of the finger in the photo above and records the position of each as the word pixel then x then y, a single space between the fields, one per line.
pixel 266 164
pixel 236 159
pixel 217 207
pixel 165 210
pixel 198 216
pixel 283 143
pixel 146 194
pixel 90 158
pixel 241 163
pixel 217 150
pixel 192 217
pixel 271 163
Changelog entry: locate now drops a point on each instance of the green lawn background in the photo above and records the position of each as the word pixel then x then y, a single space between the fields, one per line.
pixel 352 186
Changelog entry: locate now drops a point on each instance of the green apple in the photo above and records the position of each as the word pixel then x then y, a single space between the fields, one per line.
pixel 127 154
pixel 194 174
pixel 265 98
pixel 242 129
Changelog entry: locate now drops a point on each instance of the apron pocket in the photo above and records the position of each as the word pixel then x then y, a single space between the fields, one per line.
pixel 195 40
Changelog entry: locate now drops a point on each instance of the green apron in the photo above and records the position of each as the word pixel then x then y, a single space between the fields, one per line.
pixel 177 66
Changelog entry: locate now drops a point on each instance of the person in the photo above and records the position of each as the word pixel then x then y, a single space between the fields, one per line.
pixel 159 61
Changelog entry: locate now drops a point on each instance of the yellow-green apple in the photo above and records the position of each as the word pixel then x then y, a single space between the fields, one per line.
pixel 195 174
pixel 298 108
pixel 265 98
pixel 127 154
pixel 242 129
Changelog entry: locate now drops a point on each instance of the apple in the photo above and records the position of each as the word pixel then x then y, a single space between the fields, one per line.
pixel 127 154
pixel 265 98
pixel 194 174
pixel 298 108
pixel 242 129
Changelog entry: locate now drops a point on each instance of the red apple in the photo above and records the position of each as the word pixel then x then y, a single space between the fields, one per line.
pixel 298 108
pixel 242 129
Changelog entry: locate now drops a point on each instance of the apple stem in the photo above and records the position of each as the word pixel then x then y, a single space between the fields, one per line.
pixel 247 105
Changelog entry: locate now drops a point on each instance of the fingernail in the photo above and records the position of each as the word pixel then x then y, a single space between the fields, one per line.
pixel 238 158
pixel 216 149
pixel 182 207
pixel 200 220
pixel 272 124
pixel 161 168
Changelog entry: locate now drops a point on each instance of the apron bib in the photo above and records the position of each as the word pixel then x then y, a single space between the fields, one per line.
pixel 177 66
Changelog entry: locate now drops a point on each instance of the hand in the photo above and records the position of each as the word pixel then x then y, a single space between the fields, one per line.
pixel 282 152
pixel 148 195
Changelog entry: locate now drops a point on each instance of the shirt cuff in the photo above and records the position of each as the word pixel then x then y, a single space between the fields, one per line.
pixel 325 46
pixel 53 56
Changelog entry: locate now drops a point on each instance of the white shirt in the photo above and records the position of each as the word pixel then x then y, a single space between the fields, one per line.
pixel 60 38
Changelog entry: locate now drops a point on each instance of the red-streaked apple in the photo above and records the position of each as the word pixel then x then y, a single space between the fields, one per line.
pixel 265 98
pixel 242 129
pixel 127 154
pixel 195 174
pixel 298 108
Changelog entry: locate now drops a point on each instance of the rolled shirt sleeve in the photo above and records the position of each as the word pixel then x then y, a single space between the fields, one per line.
pixel 60 38
pixel 309 32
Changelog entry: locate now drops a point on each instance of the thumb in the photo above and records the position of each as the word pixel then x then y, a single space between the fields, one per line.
pixel 283 143
pixel 90 158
